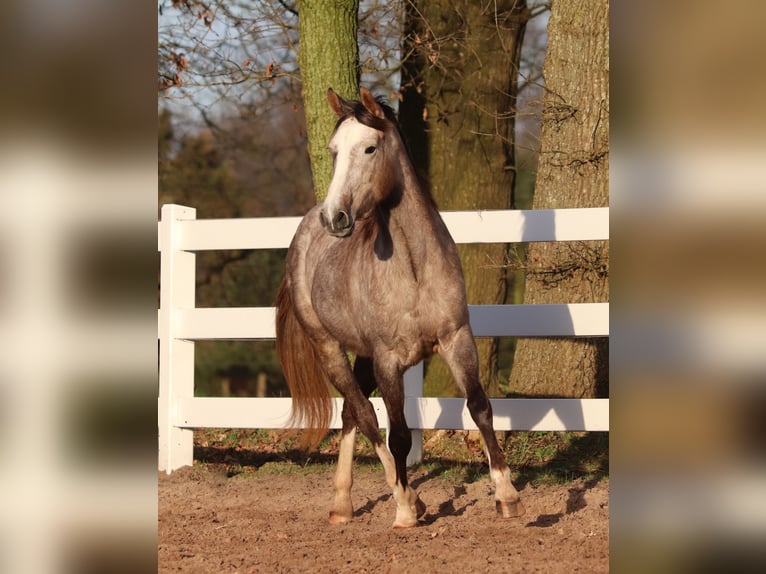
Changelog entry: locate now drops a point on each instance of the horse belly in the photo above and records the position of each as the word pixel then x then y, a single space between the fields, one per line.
pixel 403 318
pixel 398 334
pixel 413 343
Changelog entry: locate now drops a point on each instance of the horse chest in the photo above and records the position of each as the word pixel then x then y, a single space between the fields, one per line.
pixel 380 304
pixel 373 297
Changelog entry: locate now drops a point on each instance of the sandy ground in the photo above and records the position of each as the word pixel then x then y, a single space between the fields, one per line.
pixel 271 522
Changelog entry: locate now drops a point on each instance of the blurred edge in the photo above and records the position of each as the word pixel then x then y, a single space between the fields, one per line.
pixel 78 289
pixel 77 153
pixel 688 344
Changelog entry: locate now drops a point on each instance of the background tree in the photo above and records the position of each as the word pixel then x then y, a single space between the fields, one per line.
pixel 459 86
pixel 239 148
pixel 328 58
pixel 230 73
pixel 573 172
pixel 244 166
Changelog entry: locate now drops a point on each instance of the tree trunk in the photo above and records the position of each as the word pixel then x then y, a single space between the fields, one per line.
pixel 459 87
pixel 328 57
pixel 573 172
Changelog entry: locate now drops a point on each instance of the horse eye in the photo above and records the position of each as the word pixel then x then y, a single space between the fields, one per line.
pixel 370 149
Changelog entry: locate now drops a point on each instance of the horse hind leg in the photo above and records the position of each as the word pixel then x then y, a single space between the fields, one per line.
pixel 342 507
pixel 459 352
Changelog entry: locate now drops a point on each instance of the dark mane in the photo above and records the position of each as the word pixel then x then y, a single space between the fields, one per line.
pixel 356 109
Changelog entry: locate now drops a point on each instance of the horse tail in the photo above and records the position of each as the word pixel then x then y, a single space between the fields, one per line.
pixel 306 378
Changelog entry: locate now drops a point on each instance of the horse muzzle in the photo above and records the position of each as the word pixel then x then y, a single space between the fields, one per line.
pixel 339 224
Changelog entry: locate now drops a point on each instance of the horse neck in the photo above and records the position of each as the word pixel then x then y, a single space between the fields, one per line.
pixel 417 218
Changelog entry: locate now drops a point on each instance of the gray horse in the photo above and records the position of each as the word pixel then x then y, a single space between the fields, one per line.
pixel 374 272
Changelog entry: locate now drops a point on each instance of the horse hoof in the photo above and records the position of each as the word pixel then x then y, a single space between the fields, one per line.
pixel 336 518
pixel 509 509
pixel 407 524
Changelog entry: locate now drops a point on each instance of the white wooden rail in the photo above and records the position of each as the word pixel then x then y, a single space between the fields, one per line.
pixel 180 235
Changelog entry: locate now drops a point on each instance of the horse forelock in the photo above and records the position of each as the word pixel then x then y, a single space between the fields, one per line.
pixel 361 114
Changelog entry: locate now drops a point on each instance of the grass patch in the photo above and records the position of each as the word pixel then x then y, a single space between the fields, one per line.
pixel 247 452
pixel 458 456
pixel 558 457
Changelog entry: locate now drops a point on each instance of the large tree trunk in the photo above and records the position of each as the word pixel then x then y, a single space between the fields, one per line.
pixel 459 90
pixel 573 171
pixel 328 57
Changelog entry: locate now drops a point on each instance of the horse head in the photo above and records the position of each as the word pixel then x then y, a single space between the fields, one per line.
pixel 364 170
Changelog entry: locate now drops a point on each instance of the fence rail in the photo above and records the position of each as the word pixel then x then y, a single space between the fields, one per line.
pixel 420 412
pixel 180 323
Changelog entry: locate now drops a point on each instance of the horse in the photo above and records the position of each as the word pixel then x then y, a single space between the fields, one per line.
pixel 373 272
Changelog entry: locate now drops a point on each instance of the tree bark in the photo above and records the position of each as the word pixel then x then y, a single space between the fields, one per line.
pixel 459 89
pixel 328 57
pixel 573 172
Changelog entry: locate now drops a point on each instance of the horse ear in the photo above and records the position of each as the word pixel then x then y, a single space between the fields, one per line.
pixel 335 102
pixel 370 103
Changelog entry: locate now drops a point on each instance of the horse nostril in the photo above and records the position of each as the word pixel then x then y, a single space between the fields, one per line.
pixel 341 220
pixel 338 224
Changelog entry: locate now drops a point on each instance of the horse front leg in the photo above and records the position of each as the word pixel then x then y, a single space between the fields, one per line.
pixel 342 507
pixel 459 352
pixel 409 507
pixel 361 411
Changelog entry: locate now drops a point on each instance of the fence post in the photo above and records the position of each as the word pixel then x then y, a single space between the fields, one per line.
pixel 177 286
pixel 413 387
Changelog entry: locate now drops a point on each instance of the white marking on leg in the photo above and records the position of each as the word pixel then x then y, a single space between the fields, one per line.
pixel 389 466
pixel 405 498
pixel 507 500
pixel 504 489
pixel 343 480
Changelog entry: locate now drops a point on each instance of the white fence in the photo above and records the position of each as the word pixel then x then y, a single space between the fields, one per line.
pixel 181 323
